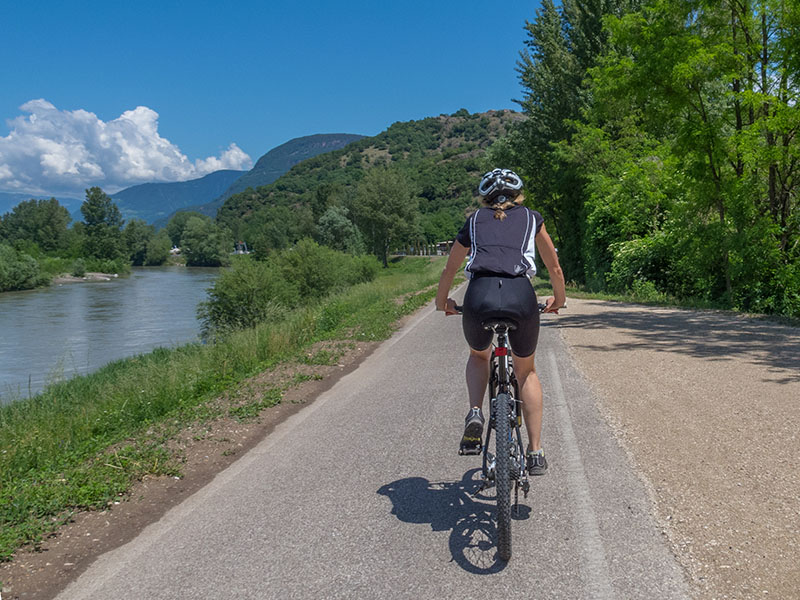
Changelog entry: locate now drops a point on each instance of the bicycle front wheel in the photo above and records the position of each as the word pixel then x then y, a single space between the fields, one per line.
pixel 503 474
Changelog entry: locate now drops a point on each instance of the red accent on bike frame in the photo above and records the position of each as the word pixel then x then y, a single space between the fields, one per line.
pixel 501 351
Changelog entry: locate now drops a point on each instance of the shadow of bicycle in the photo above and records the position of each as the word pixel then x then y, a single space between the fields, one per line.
pixel 454 506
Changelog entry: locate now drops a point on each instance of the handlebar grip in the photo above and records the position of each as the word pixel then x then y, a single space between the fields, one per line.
pixel 542 307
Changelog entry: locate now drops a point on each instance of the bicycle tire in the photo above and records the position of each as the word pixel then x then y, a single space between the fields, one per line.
pixel 502 474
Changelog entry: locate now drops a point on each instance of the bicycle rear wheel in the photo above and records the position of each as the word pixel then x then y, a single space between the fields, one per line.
pixel 502 475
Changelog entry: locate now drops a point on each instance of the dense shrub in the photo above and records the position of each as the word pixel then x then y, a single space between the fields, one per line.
pixel 248 293
pixel 78 268
pixel 253 291
pixel 316 270
pixel 640 259
pixel 18 271
pixel 98 265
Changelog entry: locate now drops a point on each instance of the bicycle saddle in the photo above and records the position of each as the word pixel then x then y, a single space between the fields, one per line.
pixel 501 324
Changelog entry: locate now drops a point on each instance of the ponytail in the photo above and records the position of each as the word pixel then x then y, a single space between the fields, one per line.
pixel 500 209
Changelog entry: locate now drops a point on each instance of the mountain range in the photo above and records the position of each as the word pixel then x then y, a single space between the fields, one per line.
pixel 8 200
pixel 157 202
pixel 154 201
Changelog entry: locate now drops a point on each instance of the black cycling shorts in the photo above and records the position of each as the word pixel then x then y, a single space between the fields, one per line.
pixel 490 296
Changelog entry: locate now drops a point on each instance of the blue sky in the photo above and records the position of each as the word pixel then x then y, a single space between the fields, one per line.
pixel 220 84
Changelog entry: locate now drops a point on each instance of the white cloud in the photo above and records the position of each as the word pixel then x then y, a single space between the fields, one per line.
pixel 58 151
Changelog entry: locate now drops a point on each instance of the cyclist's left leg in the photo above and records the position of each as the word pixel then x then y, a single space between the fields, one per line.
pixel 477 374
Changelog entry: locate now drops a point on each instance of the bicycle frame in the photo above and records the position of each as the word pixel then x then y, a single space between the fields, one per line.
pixel 505 419
pixel 503 381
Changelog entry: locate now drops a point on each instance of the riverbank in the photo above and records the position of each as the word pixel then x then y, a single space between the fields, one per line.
pixel 55 333
pixel 82 445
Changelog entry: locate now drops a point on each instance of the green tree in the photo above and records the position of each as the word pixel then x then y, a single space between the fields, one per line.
pixel 562 45
pixel 386 211
pixel 711 82
pixel 137 235
pixel 204 244
pixel 103 226
pixel 441 225
pixel 177 223
pixel 40 222
pixel 267 230
pixel 337 231
pixel 158 248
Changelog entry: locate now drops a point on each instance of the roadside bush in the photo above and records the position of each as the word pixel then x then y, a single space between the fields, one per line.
pixel 253 291
pixel 51 266
pixel 318 270
pixel 248 293
pixel 787 291
pixel 637 260
pixel 644 290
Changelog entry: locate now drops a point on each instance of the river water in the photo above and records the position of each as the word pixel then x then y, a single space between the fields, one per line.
pixel 57 332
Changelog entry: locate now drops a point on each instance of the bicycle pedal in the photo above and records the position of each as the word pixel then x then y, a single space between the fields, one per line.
pixel 469 450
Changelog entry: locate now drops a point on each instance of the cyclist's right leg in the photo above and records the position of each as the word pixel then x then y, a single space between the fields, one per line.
pixel 530 391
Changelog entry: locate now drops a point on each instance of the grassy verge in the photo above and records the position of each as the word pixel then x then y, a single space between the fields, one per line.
pixel 81 443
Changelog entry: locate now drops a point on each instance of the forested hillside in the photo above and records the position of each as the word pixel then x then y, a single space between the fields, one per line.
pixel 661 143
pixel 276 162
pixel 411 183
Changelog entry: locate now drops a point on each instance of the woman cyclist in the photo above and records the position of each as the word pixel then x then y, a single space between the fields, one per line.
pixel 502 238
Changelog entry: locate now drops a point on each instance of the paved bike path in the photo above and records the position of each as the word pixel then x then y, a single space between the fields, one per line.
pixel 362 495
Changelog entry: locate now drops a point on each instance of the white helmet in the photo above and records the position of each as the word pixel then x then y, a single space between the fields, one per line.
pixel 500 185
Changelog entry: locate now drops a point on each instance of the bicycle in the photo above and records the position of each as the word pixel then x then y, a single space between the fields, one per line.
pixel 508 463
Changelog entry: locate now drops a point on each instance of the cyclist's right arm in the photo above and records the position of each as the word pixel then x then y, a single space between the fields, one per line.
pixel 456 257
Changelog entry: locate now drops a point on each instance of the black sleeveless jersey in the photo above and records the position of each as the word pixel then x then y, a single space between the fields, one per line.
pixel 501 247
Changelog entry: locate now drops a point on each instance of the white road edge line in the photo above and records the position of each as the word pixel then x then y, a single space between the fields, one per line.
pixel 594 565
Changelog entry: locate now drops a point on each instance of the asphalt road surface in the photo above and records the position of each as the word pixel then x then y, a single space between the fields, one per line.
pixel 362 495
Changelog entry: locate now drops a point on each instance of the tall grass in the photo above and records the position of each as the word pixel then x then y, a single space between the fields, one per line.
pixel 82 442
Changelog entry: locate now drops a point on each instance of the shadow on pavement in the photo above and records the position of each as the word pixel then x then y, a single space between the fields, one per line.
pixel 707 335
pixel 453 506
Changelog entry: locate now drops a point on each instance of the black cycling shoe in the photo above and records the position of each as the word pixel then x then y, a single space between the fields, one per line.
pixel 473 431
pixel 536 462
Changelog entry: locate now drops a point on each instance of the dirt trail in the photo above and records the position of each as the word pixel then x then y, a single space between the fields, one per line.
pixel 707 404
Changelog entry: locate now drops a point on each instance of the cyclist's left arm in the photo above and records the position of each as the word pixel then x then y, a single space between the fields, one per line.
pixel 454 260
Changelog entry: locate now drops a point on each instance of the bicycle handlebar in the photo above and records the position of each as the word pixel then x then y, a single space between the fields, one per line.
pixel 460 308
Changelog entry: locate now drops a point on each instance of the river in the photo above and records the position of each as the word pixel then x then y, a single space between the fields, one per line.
pixel 57 332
